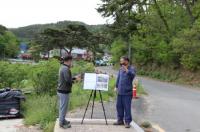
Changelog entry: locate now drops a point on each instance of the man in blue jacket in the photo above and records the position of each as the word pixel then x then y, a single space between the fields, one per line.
pixel 124 92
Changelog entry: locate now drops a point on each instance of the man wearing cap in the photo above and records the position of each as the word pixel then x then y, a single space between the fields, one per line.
pixel 64 89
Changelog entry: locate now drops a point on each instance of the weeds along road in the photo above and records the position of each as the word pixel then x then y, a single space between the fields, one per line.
pixel 174 108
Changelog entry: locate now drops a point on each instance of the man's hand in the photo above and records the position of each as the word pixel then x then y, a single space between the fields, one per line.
pixel 77 78
pixel 125 68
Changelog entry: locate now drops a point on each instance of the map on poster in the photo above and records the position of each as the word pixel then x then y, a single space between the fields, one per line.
pixel 93 81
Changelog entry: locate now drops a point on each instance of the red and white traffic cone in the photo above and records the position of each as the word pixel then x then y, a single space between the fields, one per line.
pixel 135 91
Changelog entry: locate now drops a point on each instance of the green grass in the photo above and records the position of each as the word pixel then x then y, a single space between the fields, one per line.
pixel 40 106
pixel 79 97
pixel 49 127
pixel 40 109
pixel 140 89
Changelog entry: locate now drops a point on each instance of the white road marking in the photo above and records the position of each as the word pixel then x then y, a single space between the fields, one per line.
pixel 136 127
pixel 157 127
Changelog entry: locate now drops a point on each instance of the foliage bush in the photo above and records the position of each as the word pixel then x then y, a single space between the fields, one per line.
pixel 159 73
pixel 46 72
pixel 39 75
pixel 81 67
pixel 175 46
pixel 164 53
pixel 44 77
pixel 12 75
pixel 9 44
pixel 118 49
pixel 187 47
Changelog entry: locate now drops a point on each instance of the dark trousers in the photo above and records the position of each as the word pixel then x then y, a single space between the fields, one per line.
pixel 124 108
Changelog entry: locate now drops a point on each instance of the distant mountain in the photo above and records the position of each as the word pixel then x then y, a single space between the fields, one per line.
pixel 28 32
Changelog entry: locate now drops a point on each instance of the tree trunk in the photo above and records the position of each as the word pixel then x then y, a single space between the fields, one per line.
pixel 4 54
pixel 60 52
pixel 161 15
pixel 193 2
pixel 94 54
pixel 186 4
pixel 68 52
pixel 48 55
pixel 129 51
pixel 142 5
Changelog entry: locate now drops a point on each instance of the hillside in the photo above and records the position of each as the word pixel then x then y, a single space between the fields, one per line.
pixel 28 32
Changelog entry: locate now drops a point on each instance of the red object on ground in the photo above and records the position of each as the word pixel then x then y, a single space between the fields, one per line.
pixel 134 92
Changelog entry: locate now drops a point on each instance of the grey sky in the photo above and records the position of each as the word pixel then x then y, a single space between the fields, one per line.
pixel 17 13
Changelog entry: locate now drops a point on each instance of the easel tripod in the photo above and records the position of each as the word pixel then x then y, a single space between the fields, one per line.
pixel 94 93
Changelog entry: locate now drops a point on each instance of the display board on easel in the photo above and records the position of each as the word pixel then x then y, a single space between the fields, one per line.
pixel 95 82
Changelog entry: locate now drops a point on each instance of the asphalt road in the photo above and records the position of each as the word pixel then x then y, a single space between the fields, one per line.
pixel 171 107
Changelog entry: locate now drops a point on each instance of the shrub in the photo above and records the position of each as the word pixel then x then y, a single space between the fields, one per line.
pixel 186 47
pixel 45 74
pixel 81 67
pixel 44 77
pixel 160 73
pixel 12 75
pixel 118 49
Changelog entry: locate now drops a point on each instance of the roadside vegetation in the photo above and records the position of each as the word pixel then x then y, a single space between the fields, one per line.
pixel 170 75
pixel 161 37
pixel 40 81
pixel 140 89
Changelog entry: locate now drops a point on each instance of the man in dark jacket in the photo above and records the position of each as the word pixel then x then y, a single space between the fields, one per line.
pixel 124 92
pixel 64 89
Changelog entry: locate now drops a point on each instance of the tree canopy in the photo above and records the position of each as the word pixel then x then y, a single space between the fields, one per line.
pixel 9 44
pixel 31 31
pixel 160 33
pixel 72 36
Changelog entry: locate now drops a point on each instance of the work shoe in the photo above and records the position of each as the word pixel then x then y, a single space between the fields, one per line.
pixel 65 126
pixel 118 123
pixel 66 122
pixel 127 125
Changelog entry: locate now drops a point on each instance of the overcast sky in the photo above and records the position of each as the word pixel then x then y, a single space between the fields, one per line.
pixel 18 13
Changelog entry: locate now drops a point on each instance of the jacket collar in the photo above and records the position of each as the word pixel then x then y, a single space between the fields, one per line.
pixel 66 65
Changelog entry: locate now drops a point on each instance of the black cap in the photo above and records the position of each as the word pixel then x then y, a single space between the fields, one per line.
pixel 67 58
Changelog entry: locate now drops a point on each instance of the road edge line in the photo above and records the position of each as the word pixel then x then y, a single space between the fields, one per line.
pixel 136 127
